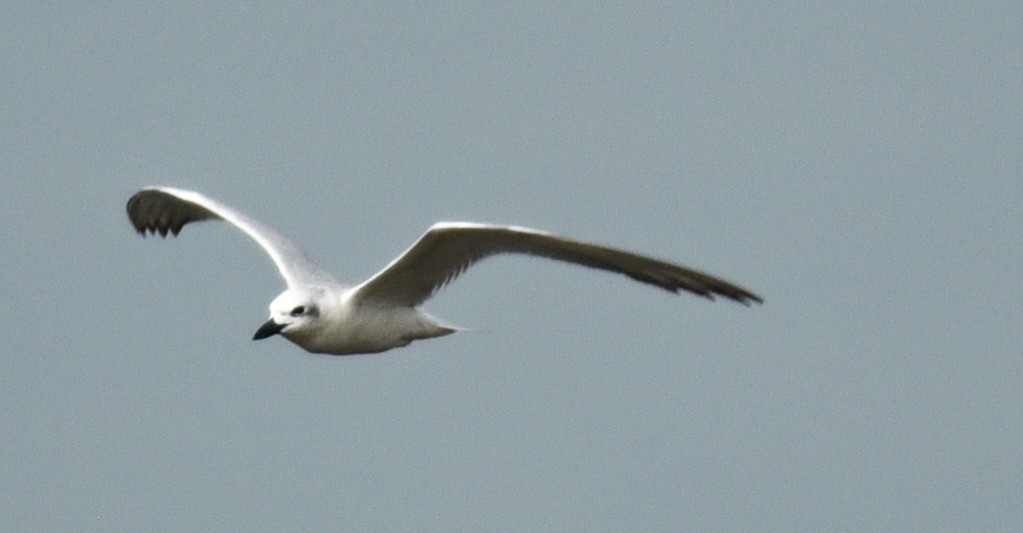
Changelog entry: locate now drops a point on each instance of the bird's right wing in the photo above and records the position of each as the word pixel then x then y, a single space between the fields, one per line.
pixel 448 249
pixel 166 210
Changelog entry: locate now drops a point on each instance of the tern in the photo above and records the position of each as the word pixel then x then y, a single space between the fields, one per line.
pixel 323 315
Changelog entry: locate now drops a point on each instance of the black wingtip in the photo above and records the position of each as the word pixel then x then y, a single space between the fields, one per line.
pixel 749 298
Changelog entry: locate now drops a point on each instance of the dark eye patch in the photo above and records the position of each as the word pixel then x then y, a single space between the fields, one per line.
pixel 298 310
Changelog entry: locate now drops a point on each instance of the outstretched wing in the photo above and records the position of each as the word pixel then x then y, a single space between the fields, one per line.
pixel 448 249
pixel 166 210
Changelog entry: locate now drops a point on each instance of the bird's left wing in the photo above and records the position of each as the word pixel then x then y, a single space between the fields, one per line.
pixel 448 249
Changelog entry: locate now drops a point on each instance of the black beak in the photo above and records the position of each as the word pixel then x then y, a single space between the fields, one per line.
pixel 268 329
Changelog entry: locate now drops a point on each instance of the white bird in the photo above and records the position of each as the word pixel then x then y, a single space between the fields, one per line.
pixel 322 315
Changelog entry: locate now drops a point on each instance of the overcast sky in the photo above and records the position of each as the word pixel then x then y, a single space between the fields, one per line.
pixel 858 166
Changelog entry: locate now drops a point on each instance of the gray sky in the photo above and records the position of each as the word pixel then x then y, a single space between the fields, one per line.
pixel 860 167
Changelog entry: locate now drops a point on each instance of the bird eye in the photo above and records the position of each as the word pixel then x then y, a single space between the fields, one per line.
pixel 298 310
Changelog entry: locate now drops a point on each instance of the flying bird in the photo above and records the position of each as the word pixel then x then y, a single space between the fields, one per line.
pixel 323 315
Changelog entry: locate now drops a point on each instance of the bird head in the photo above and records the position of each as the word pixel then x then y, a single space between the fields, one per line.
pixel 293 314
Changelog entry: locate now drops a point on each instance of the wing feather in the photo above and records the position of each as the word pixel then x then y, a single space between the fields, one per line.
pixel 166 210
pixel 446 250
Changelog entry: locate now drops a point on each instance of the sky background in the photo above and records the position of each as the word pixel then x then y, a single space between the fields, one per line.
pixel 859 166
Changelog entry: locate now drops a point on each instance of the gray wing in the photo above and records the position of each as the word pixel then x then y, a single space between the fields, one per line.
pixel 166 210
pixel 448 249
